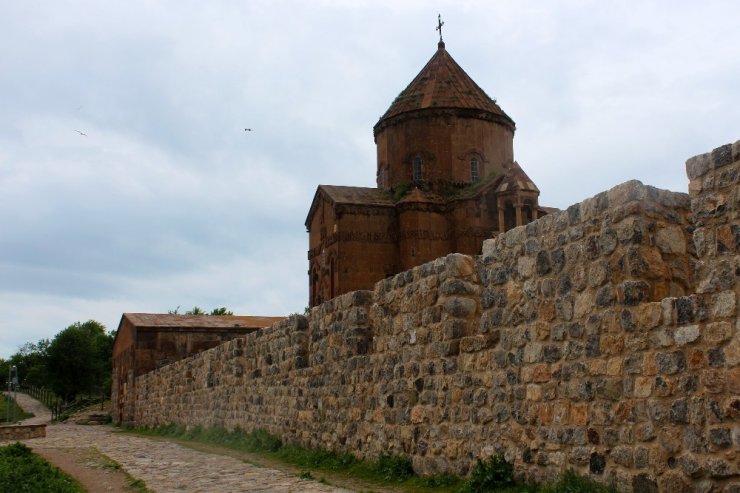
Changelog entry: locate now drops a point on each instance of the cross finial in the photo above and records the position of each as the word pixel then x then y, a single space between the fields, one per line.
pixel 440 23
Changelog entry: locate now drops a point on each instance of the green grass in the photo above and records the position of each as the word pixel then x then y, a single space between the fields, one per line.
pixel 23 471
pixel 15 411
pixel 133 484
pixel 400 191
pixel 572 482
pixel 138 485
pixel 491 475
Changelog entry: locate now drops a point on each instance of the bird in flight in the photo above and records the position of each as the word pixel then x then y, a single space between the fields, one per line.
pixel 247 129
pixel 81 133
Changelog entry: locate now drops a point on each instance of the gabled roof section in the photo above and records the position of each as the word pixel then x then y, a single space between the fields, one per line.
pixel 159 320
pixel 357 195
pixel 517 180
pixel 442 83
pixel 339 195
pixel 167 321
pixel 416 195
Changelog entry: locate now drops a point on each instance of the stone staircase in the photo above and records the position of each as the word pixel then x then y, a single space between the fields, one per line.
pixel 92 418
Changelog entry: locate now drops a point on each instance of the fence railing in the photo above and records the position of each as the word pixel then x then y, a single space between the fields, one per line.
pixel 58 407
pixel 47 398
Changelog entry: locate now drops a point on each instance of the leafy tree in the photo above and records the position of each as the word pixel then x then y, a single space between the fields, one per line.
pixel 199 311
pixel 221 311
pixel 78 360
pixel 30 359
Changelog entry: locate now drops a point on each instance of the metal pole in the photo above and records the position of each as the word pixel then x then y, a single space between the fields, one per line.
pixel 7 398
pixel 15 390
pixel 14 383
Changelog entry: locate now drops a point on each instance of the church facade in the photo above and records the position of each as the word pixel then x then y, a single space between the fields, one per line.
pixel 446 180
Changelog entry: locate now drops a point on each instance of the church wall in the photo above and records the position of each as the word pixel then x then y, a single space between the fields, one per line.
pixel 446 143
pixel 368 248
pixel 360 241
pixel 474 221
pixel 322 249
pixel 424 234
pixel 603 338
pixel 321 228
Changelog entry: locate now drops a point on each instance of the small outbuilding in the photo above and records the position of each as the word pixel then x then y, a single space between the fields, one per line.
pixel 147 341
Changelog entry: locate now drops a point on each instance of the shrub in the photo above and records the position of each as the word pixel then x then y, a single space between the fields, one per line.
pixel 393 467
pixel 438 481
pixel 262 441
pixel 489 475
pixel 571 482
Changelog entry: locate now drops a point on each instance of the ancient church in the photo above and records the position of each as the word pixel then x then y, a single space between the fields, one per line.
pixel 446 181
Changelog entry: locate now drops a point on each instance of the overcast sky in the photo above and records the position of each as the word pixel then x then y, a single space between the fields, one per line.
pixel 166 201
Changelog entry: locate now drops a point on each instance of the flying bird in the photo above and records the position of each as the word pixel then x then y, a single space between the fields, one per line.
pixel 247 129
pixel 81 133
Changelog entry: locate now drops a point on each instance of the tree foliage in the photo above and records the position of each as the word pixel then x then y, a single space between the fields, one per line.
pixel 221 311
pixel 78 360
pixel 196 310
pixel 30 360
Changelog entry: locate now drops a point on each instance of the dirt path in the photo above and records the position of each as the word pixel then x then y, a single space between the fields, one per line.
pixel 85 452
pixel 96 472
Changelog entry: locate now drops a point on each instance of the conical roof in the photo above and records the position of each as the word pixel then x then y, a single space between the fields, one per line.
pixel 517 180
pixel 442 83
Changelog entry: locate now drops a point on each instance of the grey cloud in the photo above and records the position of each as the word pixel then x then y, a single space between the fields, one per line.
pixel 168 201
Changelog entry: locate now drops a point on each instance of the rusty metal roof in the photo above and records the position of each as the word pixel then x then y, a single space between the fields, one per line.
pixel 338 195
pixel 357 195
pixel 442 83
pixel 199 321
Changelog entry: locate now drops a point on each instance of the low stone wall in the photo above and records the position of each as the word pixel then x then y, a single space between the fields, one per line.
pixel 21 432
pixel 603 338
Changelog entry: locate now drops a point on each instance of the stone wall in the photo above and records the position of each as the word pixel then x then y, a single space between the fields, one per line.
pixel 603 338
pixel 21 432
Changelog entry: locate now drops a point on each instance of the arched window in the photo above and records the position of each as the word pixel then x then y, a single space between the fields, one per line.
pixel 314 288
pixel 527 215
pixel 416 168
pixel 474 171
pixel 509 216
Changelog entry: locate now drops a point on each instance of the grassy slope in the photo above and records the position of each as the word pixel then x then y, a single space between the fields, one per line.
pixel 23 471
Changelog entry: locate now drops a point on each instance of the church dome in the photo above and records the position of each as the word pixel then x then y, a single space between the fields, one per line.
pixel 443 85
pixel 443 128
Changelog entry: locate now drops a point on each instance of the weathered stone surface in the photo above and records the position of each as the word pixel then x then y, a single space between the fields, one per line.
pixel 604 338
pixel 722 305
pixel 690 466
pixel 686 335
pixel 671 240
pixel 719 468
pixel 671 363
pixel 674 482
pixel 698 166
pixel 460 307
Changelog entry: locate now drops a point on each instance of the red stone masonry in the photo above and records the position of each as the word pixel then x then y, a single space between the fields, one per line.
pixel 603 338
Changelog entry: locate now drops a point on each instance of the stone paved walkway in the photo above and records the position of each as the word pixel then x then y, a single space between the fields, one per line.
pixel 165 466
pixel 41 413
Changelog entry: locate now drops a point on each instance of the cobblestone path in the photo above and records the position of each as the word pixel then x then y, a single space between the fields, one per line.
pixel 166 466
pixel 41 413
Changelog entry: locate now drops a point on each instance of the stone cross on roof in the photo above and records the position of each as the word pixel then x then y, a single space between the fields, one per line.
pixel 440 23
